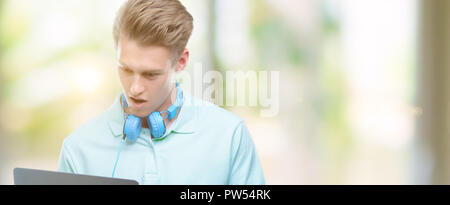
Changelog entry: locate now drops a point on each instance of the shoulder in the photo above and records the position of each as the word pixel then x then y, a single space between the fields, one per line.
pixel 210 113
pixel 98 128
pixel 93 128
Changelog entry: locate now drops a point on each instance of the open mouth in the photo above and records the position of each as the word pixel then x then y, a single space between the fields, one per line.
pixel 137 102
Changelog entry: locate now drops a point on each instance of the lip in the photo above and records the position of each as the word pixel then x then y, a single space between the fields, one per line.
pixel 137 103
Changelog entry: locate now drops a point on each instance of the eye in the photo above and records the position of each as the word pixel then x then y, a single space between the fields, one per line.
pixel 151 75
pixel 126 70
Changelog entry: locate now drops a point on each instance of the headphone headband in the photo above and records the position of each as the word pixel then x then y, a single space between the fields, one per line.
pixel 173 109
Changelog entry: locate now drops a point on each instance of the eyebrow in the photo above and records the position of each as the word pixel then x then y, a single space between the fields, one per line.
pixel 154 71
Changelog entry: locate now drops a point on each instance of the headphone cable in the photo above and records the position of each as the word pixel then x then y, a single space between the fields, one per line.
pixel 117 158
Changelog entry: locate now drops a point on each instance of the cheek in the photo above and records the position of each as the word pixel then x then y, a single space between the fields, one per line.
pixel 159 89
pixel 124 82
pixel 156 88
pixel 168 79
pixel 162 83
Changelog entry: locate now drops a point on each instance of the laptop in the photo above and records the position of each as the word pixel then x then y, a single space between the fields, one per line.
pixel 23 176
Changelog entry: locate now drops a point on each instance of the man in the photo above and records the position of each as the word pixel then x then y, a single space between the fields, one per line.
pixel 200 143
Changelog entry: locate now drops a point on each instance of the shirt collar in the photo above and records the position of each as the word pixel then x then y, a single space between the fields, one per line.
pixel 183 124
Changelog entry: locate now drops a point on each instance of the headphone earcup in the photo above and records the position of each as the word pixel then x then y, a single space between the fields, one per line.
pixel 132 127
pixel 156 123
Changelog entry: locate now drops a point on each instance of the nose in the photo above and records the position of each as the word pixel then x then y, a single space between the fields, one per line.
pixel 137 87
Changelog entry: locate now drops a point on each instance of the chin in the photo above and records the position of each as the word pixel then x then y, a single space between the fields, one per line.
pixel 138 112
pixel 142 114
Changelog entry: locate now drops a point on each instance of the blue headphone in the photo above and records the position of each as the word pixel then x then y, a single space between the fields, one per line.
pixel 133 124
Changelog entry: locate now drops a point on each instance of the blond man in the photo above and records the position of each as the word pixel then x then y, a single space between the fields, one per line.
pixel 154 132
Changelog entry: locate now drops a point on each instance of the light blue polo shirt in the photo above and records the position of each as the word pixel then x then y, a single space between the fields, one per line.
pixel 204 145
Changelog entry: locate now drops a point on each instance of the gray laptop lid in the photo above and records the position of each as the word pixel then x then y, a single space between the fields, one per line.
pixel 23 176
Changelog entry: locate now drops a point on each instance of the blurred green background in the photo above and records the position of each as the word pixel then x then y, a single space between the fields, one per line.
pixel 362 96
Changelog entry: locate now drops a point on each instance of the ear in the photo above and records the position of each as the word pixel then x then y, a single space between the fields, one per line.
pixel 182 61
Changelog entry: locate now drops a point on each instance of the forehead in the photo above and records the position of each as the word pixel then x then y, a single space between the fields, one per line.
pixel 141 57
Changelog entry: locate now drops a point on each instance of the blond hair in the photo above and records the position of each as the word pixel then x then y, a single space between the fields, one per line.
pixel 155 22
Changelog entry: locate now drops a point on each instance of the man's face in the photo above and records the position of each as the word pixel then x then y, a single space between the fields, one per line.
pixel 146 75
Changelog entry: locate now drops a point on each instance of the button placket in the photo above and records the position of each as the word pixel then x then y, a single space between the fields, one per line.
pixel 151 172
